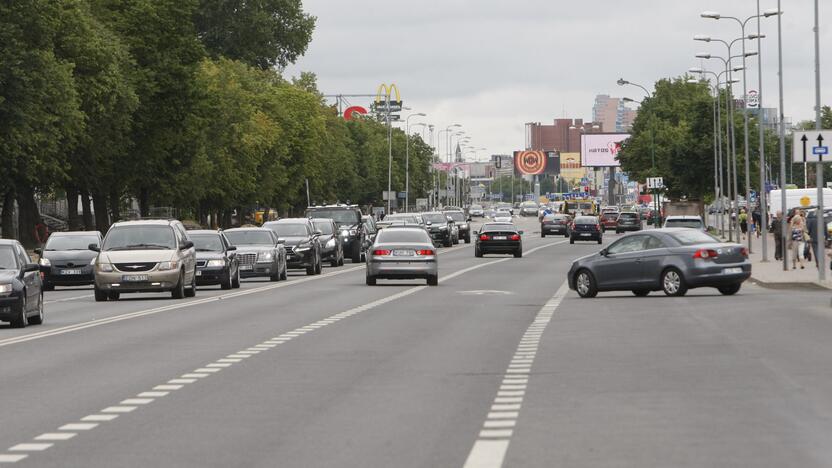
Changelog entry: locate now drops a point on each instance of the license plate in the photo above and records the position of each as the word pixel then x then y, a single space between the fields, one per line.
pixel 585 234
pixel 199 272
pixel 133 278
pixel 246 267
pixel 71 272
pixel 403 253
pixel 731 271
pixel 499 237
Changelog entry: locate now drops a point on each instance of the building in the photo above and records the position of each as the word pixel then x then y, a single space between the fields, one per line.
pixel 613 115
pixel 563 136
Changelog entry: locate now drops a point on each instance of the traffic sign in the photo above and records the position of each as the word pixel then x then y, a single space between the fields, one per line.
pixel 655 182
pixel 811 146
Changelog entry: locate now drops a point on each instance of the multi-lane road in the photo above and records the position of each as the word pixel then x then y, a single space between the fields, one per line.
pixel 500 365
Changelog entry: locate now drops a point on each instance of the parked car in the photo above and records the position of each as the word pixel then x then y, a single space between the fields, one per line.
pixel 528 208
pixel 332 250
pixel 628 221
pixel 673 260
pixel 461 221
pixel 66 259
pixel 299 236
pixel 259 252
pixel 21 288
pixel 693 222
pixel 499 238
pixel 145 256
pixel 440 228
pixel 555 223
pixel 216 259
pixel 585 228
pixel 402 252
pixel 350 227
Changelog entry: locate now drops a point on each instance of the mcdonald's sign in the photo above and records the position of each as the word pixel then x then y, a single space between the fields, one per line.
pixel 384 99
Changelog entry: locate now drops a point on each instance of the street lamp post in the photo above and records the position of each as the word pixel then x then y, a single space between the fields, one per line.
pixel 657 221
pixel 407 159
pixel 447 131
pixel 782 130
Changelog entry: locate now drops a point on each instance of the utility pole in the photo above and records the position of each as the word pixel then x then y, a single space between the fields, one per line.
pixel 821 224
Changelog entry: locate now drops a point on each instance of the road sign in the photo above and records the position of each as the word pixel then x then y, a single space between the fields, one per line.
pixel 811 146
pixel 752 99
pixel 655 182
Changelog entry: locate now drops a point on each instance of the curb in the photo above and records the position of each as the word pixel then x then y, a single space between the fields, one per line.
pixel 810 286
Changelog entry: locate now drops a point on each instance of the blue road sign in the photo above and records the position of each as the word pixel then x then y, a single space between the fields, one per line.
pixel 820 150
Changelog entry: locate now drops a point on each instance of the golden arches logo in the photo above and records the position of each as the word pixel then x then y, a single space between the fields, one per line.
pixel 385 93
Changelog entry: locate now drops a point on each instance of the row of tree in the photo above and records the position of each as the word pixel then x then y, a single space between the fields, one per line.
pixel 175 103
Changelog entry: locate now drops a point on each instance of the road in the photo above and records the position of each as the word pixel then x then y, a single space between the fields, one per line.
pixel 499 365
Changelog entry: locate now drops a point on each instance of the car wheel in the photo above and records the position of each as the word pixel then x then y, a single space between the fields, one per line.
pixel 641 292
pixel 334 262
pixel 571 240
pixel 729 290
pixel 433 280
pixel 542 234
pixel 38 319
pixel 371 280
pixel 100 296
pixel 673 284
pixel 235 283
pixel 21 320
pixel 228 281
pixel 600 240
pixel 48 287
pixel 310 270
pixel 191 291
pixel 113 296
pixel 285 274
pixel 178 291
pixel 518 253
pixel 477 252
pixel 585 284
pixel 356 253
pixel 468 239
pixel 319 266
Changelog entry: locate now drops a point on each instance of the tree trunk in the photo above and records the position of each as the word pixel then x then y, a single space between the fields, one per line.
pixel 7 222
pixel 72 218
pixel 102 221
pixel 85 209
pixel 115 205
pixel 144 202
pixel 28 218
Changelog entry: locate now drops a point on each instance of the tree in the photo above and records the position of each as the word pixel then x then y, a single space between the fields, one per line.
pixel 264 33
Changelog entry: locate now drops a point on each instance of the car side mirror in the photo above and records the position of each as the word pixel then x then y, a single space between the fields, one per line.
pixel 231 248
pixel 603 253
pixel 186 245
pixel 94 247
pixel 318 233
pixel 39 251
pixel 30 267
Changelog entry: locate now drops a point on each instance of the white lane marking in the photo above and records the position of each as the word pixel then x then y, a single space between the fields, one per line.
pixel 220 365
pixel 56 436
pixel 67 299
pixel 181 381
pixel 118 409
pixel 194 376
pixel 99 417
pixel 78 427
pixel 6 458
pixel 491 446
pixel 137 401
pixel 152 394
pixel 207 369
pixel 168 387
pixel 30 447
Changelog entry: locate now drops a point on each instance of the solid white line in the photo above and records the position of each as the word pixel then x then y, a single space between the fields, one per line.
pixel 67 299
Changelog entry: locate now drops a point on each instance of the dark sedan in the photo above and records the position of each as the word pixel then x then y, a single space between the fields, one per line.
pixel 216 259
pixel 628 221
pixel 303 251
pixel 21 289
pixel 499 238
pixel 440 227
pixel 672 259
pixel 556 223
pixel 585 228
pixel 332 248
pixel 259 252
pixel 66 259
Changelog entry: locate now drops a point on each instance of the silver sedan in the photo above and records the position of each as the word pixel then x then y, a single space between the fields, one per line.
pixel 402 252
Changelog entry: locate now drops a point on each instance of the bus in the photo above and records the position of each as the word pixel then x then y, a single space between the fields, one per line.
pixel 585 206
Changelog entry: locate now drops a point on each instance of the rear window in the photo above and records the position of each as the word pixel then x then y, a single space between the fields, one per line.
pixel 586 220
pixel 499 227
pixel 403 235
pixel 683 223
pixel 693 237
pixel 610 215
pixel 628 215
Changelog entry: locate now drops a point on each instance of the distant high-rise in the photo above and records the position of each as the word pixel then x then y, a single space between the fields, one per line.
pixel 613 114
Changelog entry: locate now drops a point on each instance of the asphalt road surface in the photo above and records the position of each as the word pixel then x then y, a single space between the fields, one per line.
pixel 500 365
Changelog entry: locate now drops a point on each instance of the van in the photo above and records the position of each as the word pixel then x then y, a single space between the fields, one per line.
pixel 796 198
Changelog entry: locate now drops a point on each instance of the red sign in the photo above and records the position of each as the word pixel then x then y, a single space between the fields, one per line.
pixel 530 162
pixel 349 111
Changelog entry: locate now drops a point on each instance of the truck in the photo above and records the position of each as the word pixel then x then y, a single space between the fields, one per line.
pixel 796 198
pixel 683 208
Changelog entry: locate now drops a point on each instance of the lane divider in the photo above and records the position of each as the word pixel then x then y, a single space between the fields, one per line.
pixel 489 450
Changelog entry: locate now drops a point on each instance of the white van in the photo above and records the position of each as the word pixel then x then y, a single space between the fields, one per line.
pixel 798 198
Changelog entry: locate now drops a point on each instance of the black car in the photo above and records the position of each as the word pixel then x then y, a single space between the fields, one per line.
pixel 66 259
pixel 462 225
pixel 216 259
pixel 628 221
pixel 499 238
pixel 556 223
pixel 350 228
pixel 440 227
pixel 303 251
pixel 331 246
pixel 670 259
pixel 259 252
pixel 585 228
pixel 370 232
pixel 21 289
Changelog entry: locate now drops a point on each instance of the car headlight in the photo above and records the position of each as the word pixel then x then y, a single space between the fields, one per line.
pixel 164 266
pixel 330 243
pixel 5 288
pixel 44 262
pixel 345 233
pixel 105 267
pixel 463 226
pixel 265 257
pixel 215 263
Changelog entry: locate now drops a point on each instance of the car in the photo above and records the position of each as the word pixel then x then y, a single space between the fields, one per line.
pixel 155 255
pixel 260 253
pixel 628 221
pixel 585 228
pixel 555 223
pixel 669 259
pixel 21 287
pixel 331 244
pixel 678 221
pixel 401 218
pixel 440 227
pixel 529 208
pixel 216 259
pixel 476 211
pixel 370 231
pixel 609 219
pixel 300 238
pixel 350 227
pixel 461 222
pixel 499 238
pixel 502 215
pixel 402 252
pixel 507 206
pixel 65 259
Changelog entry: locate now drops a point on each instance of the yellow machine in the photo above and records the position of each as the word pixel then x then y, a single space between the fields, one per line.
pixel 583 205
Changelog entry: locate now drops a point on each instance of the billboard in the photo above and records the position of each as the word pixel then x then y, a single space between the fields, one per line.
pixel 601 149
pixel 570 167
pixel 552 163
pixel 532 162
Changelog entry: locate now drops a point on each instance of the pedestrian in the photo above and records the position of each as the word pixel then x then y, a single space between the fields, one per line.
pixel 757 219
pixel 743 223
pixel 776 228
pixel 799 234
pixel 812 226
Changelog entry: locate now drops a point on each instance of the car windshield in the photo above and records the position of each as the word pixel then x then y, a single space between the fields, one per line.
pixel 456 215
pixel 435 218
pixel 683 223
pixel 324 226
pixel 340 217
pixel 71 242
pixel 402 217
pixel 138 237
pixel 7 258
pixel 693 237
pixel 586 220
pixel 253 237
pixel 528 204
pixel 392 236
pixel 290 230
pixel 610 215
pixel 499 227
pixel 207 242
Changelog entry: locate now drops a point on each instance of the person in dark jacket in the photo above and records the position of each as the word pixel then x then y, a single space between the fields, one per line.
pixel 812 227
pixel 776 229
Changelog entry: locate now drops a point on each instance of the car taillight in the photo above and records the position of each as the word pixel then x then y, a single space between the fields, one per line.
pixel 381 252
pixel 515 237
pixel 425 252
pixel 484 237
pixel 744 252
pixel 705 253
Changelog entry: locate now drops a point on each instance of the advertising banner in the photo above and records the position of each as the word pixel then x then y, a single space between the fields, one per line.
pixel 529 162
pixel 552 163
pixel 601 149
pixel 570 167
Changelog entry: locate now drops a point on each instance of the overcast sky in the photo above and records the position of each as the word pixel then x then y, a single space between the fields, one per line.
pixel 492 65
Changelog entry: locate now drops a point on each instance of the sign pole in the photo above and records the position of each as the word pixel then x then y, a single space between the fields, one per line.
pixel 820 253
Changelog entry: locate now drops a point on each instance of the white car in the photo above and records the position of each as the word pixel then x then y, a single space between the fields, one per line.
pixel 502 215
pixel 694 222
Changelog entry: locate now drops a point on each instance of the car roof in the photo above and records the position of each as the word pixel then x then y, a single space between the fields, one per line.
pixel 253 228
pixel 289 221
pixel 73 233
pixel 683 217
pixel 8 242
pixel 146 222
pixel 204 232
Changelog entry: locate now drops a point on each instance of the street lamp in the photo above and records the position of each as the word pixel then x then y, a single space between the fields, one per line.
pixel 407 160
